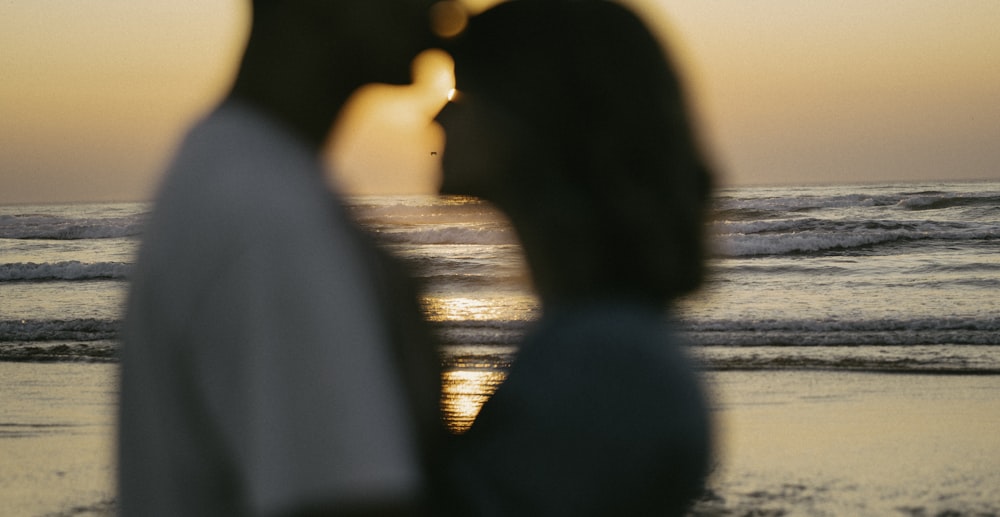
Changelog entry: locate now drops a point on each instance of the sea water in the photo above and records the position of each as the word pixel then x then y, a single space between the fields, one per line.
pixel 871 278
pixel 876 277
pixel 906 268
pixel 892 277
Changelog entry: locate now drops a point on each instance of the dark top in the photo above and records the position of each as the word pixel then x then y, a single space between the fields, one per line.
pixel 602 414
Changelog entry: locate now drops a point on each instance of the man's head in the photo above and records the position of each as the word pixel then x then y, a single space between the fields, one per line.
pixel 305 57
pixel 374 40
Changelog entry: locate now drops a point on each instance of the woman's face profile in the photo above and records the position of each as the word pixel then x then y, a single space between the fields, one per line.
pixel 478 146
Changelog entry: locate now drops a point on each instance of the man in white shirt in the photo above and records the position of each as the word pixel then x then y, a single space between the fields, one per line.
pixel 266 369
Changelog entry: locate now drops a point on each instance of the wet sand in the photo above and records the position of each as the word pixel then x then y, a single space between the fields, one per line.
pixel 789 442
pixel 56 437
pixel 834 443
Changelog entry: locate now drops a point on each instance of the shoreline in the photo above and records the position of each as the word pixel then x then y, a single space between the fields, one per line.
pixel 854 443
pixel 57 436
pixel 957 360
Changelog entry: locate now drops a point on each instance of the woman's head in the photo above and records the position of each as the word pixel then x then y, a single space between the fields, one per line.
pixel 588 123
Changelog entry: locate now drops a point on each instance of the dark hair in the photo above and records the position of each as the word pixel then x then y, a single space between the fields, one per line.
pixel 593 86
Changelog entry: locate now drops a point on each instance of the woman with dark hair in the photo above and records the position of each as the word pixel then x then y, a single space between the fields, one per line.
pixel 571 120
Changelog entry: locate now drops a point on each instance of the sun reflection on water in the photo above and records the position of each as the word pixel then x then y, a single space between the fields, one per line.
pixel 463 394
pixel 458 308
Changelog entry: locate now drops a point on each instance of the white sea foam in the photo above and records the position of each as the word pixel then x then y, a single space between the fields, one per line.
pixel 810 235
pixel 464 234
pixel 44 226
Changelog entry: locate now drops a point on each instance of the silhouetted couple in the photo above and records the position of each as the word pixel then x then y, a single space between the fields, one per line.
pixel 275 361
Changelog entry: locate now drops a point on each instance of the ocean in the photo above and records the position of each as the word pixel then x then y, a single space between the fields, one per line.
pixel 885 278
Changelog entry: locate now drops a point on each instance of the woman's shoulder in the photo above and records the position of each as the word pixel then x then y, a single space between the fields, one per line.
pixel 620 342
pixel 612 327
pixel 609 363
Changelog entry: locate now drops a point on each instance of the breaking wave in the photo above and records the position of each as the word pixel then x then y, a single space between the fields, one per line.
pixel 54 227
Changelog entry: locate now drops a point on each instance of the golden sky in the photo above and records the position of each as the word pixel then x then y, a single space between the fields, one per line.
pixel 96 93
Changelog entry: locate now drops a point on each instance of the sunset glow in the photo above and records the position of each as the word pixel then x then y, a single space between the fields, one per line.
pixel 97 94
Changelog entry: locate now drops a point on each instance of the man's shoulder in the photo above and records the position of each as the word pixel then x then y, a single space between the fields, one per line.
pixel 237 163
pixel 236 142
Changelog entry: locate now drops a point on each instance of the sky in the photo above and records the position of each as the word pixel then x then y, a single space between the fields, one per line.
pixel 96 94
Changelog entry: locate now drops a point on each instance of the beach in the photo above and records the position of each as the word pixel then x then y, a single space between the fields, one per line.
pixel 56 438
pixel 850 336
pixel 845 443
pixel 788 442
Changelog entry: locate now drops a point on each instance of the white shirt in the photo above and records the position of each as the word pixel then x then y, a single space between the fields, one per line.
pixel 256 371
